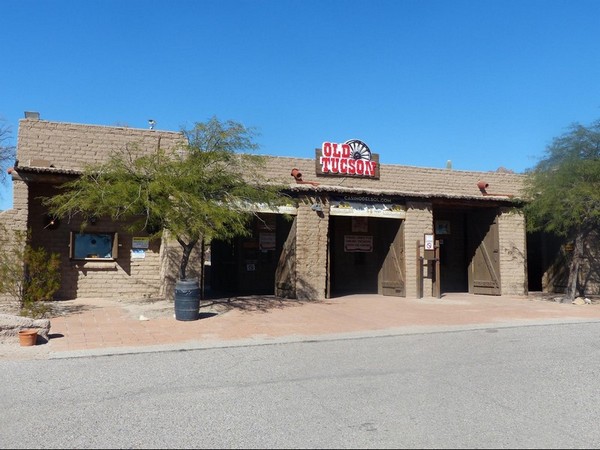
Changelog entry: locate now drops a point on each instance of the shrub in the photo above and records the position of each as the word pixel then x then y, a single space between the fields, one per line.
pixel 29 275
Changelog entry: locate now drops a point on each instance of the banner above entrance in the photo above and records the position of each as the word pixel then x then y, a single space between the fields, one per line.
pixel 366 206
pixel 264 208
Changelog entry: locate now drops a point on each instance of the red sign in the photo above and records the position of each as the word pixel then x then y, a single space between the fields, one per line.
pixel 353 157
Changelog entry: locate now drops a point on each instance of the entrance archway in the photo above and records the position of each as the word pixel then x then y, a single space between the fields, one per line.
pixel 366 256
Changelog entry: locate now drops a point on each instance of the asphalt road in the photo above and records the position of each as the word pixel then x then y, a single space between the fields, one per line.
pixel 519 387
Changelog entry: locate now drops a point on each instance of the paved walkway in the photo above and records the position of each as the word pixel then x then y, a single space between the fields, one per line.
pixel 101 326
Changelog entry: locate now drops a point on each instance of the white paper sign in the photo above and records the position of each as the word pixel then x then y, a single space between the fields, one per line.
pixel 429 242
pixel 357 243
pixel 138 253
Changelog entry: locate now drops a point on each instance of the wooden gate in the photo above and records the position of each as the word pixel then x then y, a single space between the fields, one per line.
pixel 391 278
pixel 285 274
pixel 484 266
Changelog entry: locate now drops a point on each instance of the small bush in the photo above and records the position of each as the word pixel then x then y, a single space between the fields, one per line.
pixel 29 275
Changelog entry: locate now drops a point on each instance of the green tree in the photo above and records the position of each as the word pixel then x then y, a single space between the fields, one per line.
pixel 198 191
pixel 564 193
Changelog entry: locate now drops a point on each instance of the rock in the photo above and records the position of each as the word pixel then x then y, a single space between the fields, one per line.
pixel 10 326
pixel 579 301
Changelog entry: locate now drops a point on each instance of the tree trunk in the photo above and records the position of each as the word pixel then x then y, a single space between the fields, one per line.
pixel 574 268
pixel 185 257
pixel 202 250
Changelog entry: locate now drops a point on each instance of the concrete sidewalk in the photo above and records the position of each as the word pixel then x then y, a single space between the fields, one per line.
pixel 90 327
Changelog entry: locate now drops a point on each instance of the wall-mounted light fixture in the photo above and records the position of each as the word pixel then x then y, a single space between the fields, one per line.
pixel 482 185
pixel 51 222
pixel 298 177
pixel 317 207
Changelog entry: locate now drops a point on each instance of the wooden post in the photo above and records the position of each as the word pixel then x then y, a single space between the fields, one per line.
pixel 438 281
pixel 419 271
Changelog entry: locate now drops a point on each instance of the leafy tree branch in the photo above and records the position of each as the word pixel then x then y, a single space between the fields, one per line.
pixel 564 193
pixel 196 191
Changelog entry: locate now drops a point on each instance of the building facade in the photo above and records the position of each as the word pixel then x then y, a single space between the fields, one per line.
pixel 357 225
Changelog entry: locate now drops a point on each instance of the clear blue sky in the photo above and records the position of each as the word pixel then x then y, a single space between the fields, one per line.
pixel 485 84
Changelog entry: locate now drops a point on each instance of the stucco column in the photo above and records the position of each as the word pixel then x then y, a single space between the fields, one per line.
pixel 311 249
pixel 419 221
pixel 513 251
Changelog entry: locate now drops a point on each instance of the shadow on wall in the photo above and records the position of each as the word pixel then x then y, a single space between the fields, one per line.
pixel 305 291
pixel 169 268
pixel 590 279
pixel 556 255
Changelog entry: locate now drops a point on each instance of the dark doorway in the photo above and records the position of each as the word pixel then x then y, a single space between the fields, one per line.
pixel 361 261
pixel 451 232
pixel 469 249
pixel 545 259
pixel 246 265
pixel 535 261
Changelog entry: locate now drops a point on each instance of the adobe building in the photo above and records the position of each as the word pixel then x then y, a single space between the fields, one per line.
pixel 358 225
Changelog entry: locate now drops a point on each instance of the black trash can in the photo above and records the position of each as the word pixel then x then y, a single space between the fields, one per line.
pixel 187 300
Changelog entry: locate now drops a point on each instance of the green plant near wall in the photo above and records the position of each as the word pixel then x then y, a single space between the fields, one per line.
pixel 29 275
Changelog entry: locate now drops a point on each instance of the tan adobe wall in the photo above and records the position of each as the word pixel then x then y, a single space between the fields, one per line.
pixel 125 277
pixel 513 252
pixel 311 251
pixel 73 146
pixel 151 277
pixel 16 218
pixel 419 221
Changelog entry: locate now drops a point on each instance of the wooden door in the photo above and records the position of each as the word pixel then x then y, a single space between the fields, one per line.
pixel 285 274
pixel 391 277
pixel 484 267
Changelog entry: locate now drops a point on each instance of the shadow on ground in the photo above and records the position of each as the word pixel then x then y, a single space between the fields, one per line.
pixel 56 308
pixel 253 302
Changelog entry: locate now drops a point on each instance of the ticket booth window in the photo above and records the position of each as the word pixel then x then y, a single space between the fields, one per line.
pixel 93 246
